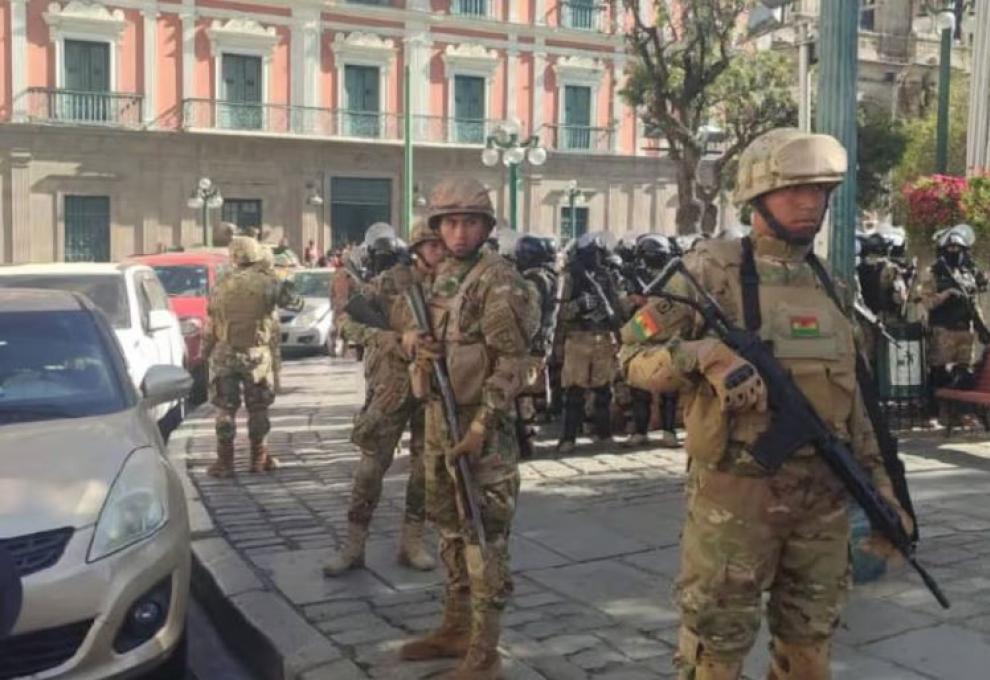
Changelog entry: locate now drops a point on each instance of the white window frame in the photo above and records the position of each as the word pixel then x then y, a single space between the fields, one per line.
pixel 85 22
pixel 579 72
pixel 246 38
pixel 469 60
pixel 364 49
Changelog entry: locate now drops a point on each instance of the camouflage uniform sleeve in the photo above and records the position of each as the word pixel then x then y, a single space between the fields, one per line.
pixel 359 333
pixel 507 321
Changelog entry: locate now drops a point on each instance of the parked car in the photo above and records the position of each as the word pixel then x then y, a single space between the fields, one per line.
pixel 136 305
pixel 91 510
pixel 309 329
pixel 188 278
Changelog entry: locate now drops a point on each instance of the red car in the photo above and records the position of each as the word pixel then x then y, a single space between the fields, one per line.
pixel 188 277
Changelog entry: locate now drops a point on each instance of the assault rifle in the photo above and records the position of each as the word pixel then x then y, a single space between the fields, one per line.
pixel 366 311
pixel 794 423
pixel 554 334
pixel 465 484
pixel 866 314
pixel 975 313
pixel 614 322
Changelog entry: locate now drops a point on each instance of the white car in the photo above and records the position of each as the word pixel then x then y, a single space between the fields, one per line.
pixel 309 329
pixel 136 305
pixel 92 513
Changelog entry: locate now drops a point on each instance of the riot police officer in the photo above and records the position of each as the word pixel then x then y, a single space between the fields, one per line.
pixel 882 284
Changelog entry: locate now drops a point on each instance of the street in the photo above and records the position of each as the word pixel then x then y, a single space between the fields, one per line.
pixel 209 657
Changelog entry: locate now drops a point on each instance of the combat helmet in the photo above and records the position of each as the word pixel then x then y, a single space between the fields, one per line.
pixel 244 251
pixel 421 234
pixel 653 250
pixel 457 196
pixel 961 235
pixel 533 251
pixel 787 157
pixel 873 243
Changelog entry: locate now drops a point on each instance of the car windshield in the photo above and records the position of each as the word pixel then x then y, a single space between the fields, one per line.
pixel 105 290
pixel 187 280
pixel 312 284
pixel 55 365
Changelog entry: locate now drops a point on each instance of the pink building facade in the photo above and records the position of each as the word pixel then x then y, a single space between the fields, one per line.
pixel 111 112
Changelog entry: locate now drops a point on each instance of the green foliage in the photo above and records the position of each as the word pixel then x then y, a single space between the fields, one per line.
pixel 976 204
pixel 881 144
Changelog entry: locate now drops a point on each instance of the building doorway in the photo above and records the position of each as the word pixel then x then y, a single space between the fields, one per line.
pixel 355 204
pixel 87 228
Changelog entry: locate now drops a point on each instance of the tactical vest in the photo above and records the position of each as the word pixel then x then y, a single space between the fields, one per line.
pixel 870 275
pixel 456 316
pixel 245 304
pixel 596 321
pixel 952 314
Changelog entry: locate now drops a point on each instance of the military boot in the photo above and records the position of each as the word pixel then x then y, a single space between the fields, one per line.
pixel 482 661
pixel 668 440
pixel 450 640
pixel 351 555
pixel 412 552
pixel 791 661
pixel 261 461
pixel 223 467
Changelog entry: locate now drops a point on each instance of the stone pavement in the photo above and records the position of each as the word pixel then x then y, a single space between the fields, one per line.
pixel 594 550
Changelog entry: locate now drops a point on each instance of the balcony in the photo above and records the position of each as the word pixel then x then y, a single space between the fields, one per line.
pixel 578 138
pixel 473 8
pixel 582 16
pixel 70 107
pixel 276 119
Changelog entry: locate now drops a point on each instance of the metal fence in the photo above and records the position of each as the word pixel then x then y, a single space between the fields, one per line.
pixel 577 138
pixel 582 16
pixel 71 107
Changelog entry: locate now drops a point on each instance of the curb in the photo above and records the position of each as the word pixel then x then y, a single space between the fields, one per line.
pixel 258 625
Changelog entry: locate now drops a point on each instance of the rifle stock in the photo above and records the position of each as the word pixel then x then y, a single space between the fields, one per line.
pixel 469 499
pixel 795 423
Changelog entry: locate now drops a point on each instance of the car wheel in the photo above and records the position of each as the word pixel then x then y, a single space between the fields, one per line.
pixel 174 667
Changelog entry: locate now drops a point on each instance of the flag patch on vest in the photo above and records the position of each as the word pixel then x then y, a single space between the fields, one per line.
pixel 645 324
pixel 805 327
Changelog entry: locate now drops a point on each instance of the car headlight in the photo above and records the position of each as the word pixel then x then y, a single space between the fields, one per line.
pixel 310 316
pixel 190 325
pixel 136 507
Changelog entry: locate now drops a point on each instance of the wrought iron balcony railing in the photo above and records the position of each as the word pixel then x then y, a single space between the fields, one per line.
pixel 583 16
pixel 72 107
pixel 208 114
pixel 578 138
pixel 473 8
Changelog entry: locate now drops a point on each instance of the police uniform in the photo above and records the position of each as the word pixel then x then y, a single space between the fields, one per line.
pixel 749 531
pixel 881 281
pixel 238 341
pixel 482 316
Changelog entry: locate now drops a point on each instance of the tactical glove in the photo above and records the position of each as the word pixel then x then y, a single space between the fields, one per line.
pixel 736 382
pixel 587 302
pixel 877 544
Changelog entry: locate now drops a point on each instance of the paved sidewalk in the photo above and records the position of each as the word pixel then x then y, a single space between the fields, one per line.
pixel 594 553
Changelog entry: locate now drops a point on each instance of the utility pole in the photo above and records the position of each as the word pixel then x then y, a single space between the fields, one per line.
pixel 945 21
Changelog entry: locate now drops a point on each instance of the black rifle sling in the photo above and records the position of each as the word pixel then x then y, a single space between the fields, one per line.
pixel 750 280
pixel 871 401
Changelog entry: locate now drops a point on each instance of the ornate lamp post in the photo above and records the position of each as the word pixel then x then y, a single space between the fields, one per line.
pixel 206 195
pixel 575 197
pixel 504 144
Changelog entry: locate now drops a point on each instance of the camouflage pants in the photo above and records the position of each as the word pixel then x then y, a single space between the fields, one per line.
pixel 225 393
pixel 378 434
pixel 951 347
pixel 785 534
pixel 485 578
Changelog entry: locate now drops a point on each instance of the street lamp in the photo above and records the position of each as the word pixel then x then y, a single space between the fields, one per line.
pixel 504 144
pixel 575 197
pixel 206 195
pixel 945 23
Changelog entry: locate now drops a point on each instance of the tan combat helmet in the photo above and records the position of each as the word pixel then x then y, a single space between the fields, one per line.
pixel 421 234
pixel 787 157
pixel 457 196
pixel 244 250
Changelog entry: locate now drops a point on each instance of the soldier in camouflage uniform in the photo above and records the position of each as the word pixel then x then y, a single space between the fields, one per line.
pixel 749 531
pixel 389 407
pixel 482 318
pixel 237 340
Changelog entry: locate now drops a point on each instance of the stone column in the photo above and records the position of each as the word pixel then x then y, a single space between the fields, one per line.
pixel 417 55
pixel 150 36
pixel 20 205
pixel 540 10
pixel 978 139
pixel 188 17
pixel 18 58
pixel 539 83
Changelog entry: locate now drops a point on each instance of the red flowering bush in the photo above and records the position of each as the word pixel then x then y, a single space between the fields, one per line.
pixel 934 202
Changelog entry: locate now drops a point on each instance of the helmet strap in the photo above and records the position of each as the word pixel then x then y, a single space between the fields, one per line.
pixel 760 206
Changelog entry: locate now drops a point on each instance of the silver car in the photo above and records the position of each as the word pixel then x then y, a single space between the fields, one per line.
pixel 90 508
pixel 309 329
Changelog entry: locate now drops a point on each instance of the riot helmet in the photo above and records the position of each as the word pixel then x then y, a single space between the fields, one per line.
pixel 532 251
pixel 590 249
pixel 384 253
pixel 873 243
pixel 653 250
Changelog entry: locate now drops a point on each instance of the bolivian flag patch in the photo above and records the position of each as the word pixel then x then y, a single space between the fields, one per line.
pixel 805 327
pixel 646 323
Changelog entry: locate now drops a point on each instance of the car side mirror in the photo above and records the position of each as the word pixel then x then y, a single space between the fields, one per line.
pixel 163 383
pixel 159 320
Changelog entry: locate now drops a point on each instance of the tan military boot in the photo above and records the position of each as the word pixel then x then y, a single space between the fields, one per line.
pixel 791 661
pixel 450 640
pixel 223 467
pixel 261 461
pixel 482 661
pixel 351 555
pixel 412 552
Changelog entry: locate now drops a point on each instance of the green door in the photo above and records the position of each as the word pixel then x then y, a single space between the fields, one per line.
pixel 362 101
pixel 241 106
pixel 355 204
pixel 87 228
pixel 469 110
pixel 577 117
pixel 580 223
pixel 84 98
